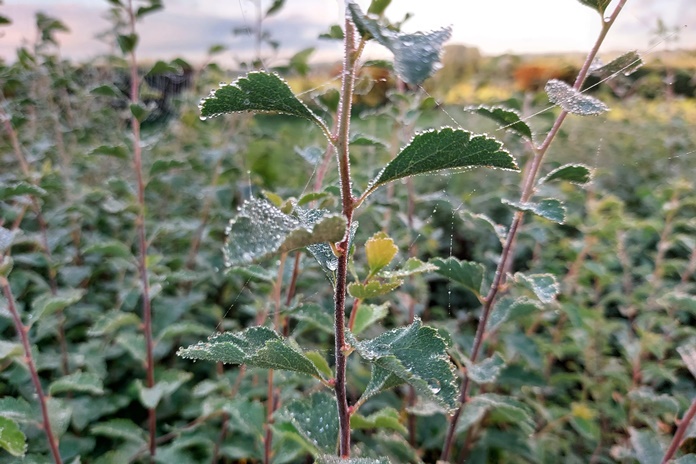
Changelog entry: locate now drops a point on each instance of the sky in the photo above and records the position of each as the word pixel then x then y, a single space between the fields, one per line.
pixel 187 28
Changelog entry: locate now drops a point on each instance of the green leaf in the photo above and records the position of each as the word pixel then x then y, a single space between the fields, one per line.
pixel 48 304
pixel 335 33
pixel 120 428
pixel 106 90
pixel 387 418
pixel 416 56
pixel 380 250
pixel 688 355
pixel 447 148
pixel 247 416
pixel 160 166
pixel 117 151
pixel 315 420
pixel 368 315
pixel 260 230
pixel 646 445
pixel 506 118
pixel 331 459
pixel 4 20
pixel 315 315
pixel 111 322
pixel 138 111
pixel 466 273
pixel 549 208
pixel 181 329
pixel 127 42
pixel 320 363
pixel 380 380
pixel 155 5
pixel 486 371
pixel 572 100
pixel 256 347
pixel 325 256
pixel 12 439
pixel 6 262
pixel 502 408
pixel 16 409
pixel 361 140
pixel 627 64
pixel 82 382
pixel 10 350
pixel 259 92
pixel 19 189
pixel 598 5
pixel 373 288
pixel 544 286
pixel 274 8
pixel 6 238
pixel 411 267
pixel 574 173
pixel 166 384
pixel 417 355
pixel 507 307
pixel 377 7
pixel 688 459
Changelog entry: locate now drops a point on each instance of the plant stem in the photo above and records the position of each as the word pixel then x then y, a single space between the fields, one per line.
pixel 142 242
pixel 527 192
pixel 348 202
pixel 681 430
pixel 22 331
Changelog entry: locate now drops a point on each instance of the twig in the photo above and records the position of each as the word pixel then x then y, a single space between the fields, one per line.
pixel 681 430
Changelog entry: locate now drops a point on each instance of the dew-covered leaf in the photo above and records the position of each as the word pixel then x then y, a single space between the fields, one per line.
pixel 256 347
pixel 260 230
pixel 646 445
pixel 446 148
pixel 466 273
pixel 486 371
pixel 506 118
pixel 626 64
pixel 19 189
pixel 574 173
pixel 544 286
pixel 416 56
pixel 598 5
pixel 315 419
pixel 373 288
pixel 368 315
pixel 331 459
pixel 380 380
pixel 16 409
pixel 380 250
pixel 81 382
pixel 12 439
pixel 572 100
pixel 124 429
pixel 259 92
pixel 325 256
pixel 111 322
pixel 48 304
pixel 387 418
pixel 688 355
pixel 411 267
pixel 417 355
pixel 549 208
pixel 507 307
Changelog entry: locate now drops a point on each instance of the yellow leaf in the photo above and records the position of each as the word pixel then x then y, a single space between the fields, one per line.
pixel 380 250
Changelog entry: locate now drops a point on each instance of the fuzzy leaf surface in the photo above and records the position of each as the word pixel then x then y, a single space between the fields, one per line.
pixel 549 208
pixel 12 439
pixel 466 273
pixel 258 92
pixel 417 355
pixel 416 56
pixel 315 420
pixel 626 64
pixel 260 230
pixel 574 173
pixel 446 148
pixel 256 347
pixel 506 118
pixel 572 100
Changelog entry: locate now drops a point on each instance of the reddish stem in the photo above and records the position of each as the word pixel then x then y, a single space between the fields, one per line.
pixel 681 430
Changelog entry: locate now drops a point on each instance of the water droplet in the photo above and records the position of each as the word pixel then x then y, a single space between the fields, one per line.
pixel 434 386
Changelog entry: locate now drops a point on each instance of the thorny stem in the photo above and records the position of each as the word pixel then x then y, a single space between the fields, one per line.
pixel 681 430
pixel 140 225
pixel 527 192
pixel 22 331
pixel 348 203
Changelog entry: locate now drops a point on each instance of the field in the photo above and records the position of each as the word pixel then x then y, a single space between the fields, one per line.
pixel 589 354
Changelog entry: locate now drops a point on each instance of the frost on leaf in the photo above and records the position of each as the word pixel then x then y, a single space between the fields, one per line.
pixel 550 208
pixel 573 101
pixel 447 148
pixel 506 118
pixel 626 64
pixel 259 92
pixel 260 230
pixel 256 347
pixel 416 355
pixel 416 56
